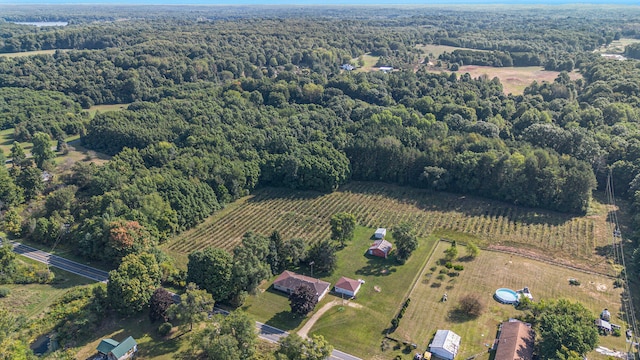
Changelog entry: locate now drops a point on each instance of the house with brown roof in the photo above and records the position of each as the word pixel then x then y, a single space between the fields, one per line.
pixel 515 342
pixel 348 287
pixel 380 248
pixel 289 281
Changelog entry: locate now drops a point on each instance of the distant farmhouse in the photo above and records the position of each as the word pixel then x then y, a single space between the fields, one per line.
pixel 289 281
pixel 113 350
pixel 347 67
pixel 515 342
pixel 380 248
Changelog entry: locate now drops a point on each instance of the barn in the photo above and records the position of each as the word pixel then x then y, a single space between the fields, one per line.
pixel 380 248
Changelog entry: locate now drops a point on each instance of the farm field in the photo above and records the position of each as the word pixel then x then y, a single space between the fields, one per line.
pixel 513 79
pixel 482 276
pixel 356 330
pixel 563 238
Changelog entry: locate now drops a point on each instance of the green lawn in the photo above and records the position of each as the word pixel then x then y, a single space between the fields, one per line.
pixel 387 284
pixel 490 271
pixel 30 53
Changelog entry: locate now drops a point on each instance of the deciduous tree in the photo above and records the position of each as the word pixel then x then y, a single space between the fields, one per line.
pixel 294 347
pixel 194 306
pixel 406 241
pixel 41 150
pixel 343 225
pixel 159 303
pixel 130 286
pixel 323 256
pixel 303 300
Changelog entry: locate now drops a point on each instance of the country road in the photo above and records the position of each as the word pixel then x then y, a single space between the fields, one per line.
pixel 265 331
pixel 60 262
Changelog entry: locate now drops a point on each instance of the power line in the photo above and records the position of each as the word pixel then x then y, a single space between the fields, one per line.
pixel 618 254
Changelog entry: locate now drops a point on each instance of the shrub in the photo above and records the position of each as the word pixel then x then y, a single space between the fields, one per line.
pixel 4 292
pixel 458 267
pixel 395 322
pixel 433 268
pixel 574 282
pixel 443 271
pixel 440 277
pixel 164 329
pixel 617 283
pixel 615 332
pixel 454 274
pixel 448 265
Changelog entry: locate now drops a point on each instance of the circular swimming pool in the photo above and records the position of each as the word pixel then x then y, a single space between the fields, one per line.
pixel 506 296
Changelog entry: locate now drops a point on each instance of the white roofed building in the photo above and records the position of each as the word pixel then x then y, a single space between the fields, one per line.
pixel 445 344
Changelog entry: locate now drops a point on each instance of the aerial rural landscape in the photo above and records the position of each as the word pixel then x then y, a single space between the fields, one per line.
pixel 319 182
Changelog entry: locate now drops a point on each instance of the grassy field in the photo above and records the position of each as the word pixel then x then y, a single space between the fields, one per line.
pixel 32 300
pixel 369 63
pixel 105 108
pixel 575 240
pixel 29 53
pixel 483 276
pixel 63 161
pixel 434 51
pixel 513 79
pixel 617 46
pixel 386 286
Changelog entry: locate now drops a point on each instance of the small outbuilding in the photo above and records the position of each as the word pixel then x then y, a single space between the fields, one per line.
pixel 445 344
pixel 380 248
pixel 348 287
pixel 347 67
pixel 380 233
pixel 605 315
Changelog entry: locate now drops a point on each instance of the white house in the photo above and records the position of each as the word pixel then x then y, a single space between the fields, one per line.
pixel 347 67
pixel 348 287
pixel 386 68
pixel 445 344
pixel 380 233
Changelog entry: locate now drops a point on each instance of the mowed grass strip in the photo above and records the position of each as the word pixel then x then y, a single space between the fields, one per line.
pixel 306 214
pixel 482 277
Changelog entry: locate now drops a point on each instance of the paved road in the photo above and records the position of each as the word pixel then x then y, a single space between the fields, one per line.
pixel 265 331
pixel 61 263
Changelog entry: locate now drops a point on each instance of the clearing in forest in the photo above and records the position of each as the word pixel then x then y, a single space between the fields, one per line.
pixel 580 241
pixel 513 79
pixel 482 276
pixel 30 53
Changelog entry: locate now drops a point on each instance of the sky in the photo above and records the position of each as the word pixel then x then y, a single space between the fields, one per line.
pixel 318 2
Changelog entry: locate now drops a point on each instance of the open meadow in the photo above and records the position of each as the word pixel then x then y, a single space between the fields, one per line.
pixel 482 276
pixel 617 46
pixel 29 53
pixel 580 241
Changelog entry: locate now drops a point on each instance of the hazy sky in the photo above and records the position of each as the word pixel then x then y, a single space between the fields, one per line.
pixel 319 2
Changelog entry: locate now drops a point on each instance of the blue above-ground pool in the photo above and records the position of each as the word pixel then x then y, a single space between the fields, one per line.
pixel 506 296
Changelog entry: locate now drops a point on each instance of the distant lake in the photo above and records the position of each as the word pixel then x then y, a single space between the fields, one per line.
pixel 43 23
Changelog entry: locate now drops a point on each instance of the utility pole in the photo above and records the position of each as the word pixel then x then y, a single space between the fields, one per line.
pixel 311 263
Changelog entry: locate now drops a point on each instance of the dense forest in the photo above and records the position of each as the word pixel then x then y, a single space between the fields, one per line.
pixel 221 102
